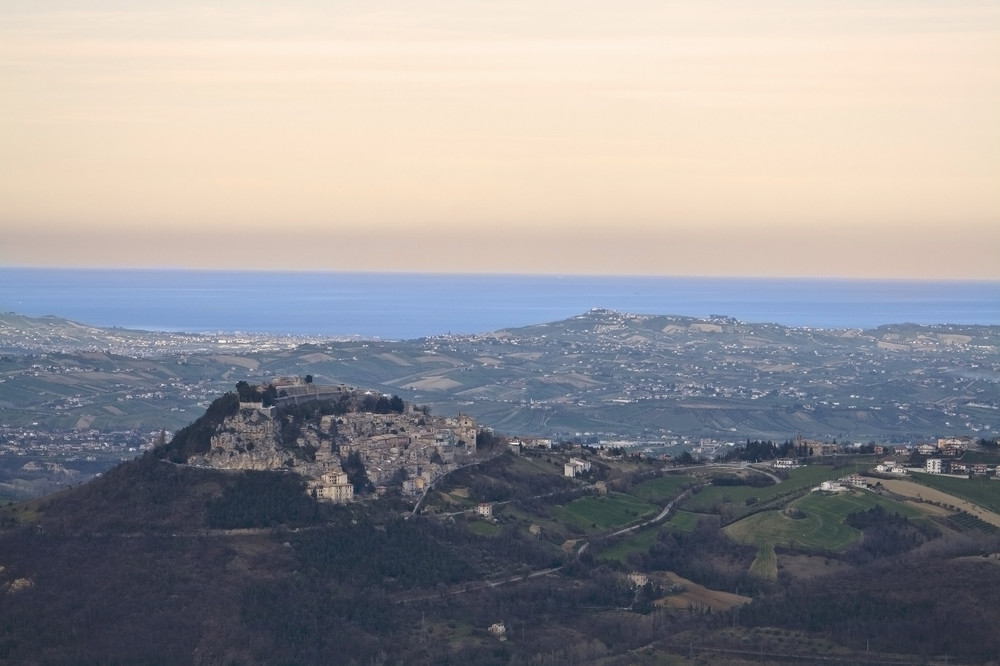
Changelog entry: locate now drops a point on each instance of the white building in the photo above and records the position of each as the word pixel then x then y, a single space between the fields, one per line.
pixel 575 467
pixel 890 467
pixel 933 465
pixel 334 487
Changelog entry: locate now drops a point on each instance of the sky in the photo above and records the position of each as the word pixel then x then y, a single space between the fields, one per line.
pixel 825 138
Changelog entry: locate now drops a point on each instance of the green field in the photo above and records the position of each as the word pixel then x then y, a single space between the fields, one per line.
pixel 765 564
pixel 483 528
pixel 664 488
pixel 686 521
pixel 821 528
pixel 799 479
pixel 599 513
pixel 634 543
pixel 982 491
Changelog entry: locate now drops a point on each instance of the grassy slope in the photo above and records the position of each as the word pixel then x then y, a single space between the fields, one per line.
pixel 598 513
pixel 799 480
pixel 666 487
pixel 821 528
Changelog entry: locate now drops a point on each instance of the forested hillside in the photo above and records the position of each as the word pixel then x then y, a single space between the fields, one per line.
pixel 162 563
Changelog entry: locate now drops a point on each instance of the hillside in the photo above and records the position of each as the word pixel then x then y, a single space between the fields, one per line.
pixel 650 377
pixel 159 562
pixel 342 440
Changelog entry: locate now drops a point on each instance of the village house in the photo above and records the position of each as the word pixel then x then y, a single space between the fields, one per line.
pixel 575 467
pixel 334 487
pixel 960 443
pixel 485 509
pixel 933 466
pixel 890 467
pixel 855 480
pixel 637 579
pixel 959 467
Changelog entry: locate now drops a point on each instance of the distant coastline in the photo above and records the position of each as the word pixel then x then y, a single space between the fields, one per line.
pixel 406 306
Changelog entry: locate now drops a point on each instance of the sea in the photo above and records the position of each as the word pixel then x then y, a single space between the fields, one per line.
pixel 407 306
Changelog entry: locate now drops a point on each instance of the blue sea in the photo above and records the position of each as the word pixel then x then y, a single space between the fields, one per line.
pixel 405 306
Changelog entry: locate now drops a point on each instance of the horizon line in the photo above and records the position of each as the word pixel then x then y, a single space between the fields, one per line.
pixel 508 274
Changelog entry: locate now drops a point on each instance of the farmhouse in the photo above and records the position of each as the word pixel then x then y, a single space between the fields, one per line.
pixel 575 467
pixel 637 579
pixel 498 630
pixel 855 480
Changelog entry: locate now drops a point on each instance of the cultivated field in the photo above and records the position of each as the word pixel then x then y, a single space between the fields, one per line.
pixel 927 493
pixel 697 596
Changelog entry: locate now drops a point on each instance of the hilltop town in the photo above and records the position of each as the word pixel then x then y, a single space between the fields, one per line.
pixel 342 440
pixel 87 398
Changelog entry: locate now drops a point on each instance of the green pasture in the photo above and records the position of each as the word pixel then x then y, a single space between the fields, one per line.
pixel 663 488
pixel 799 479
pixel 483 528
pixel 821 528
pixel 605 511
pixel 638 542
pixel 765 565
pixel 642 540
pixel 686 521
pixel 982 491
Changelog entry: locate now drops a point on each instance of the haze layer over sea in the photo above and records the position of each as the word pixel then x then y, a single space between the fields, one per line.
pixel 403 306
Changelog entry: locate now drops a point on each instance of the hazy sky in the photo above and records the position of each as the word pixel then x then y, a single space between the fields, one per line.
pixel 752 137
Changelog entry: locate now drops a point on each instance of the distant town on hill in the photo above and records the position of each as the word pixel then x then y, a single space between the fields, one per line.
pixel 75 399
pixel 609 489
